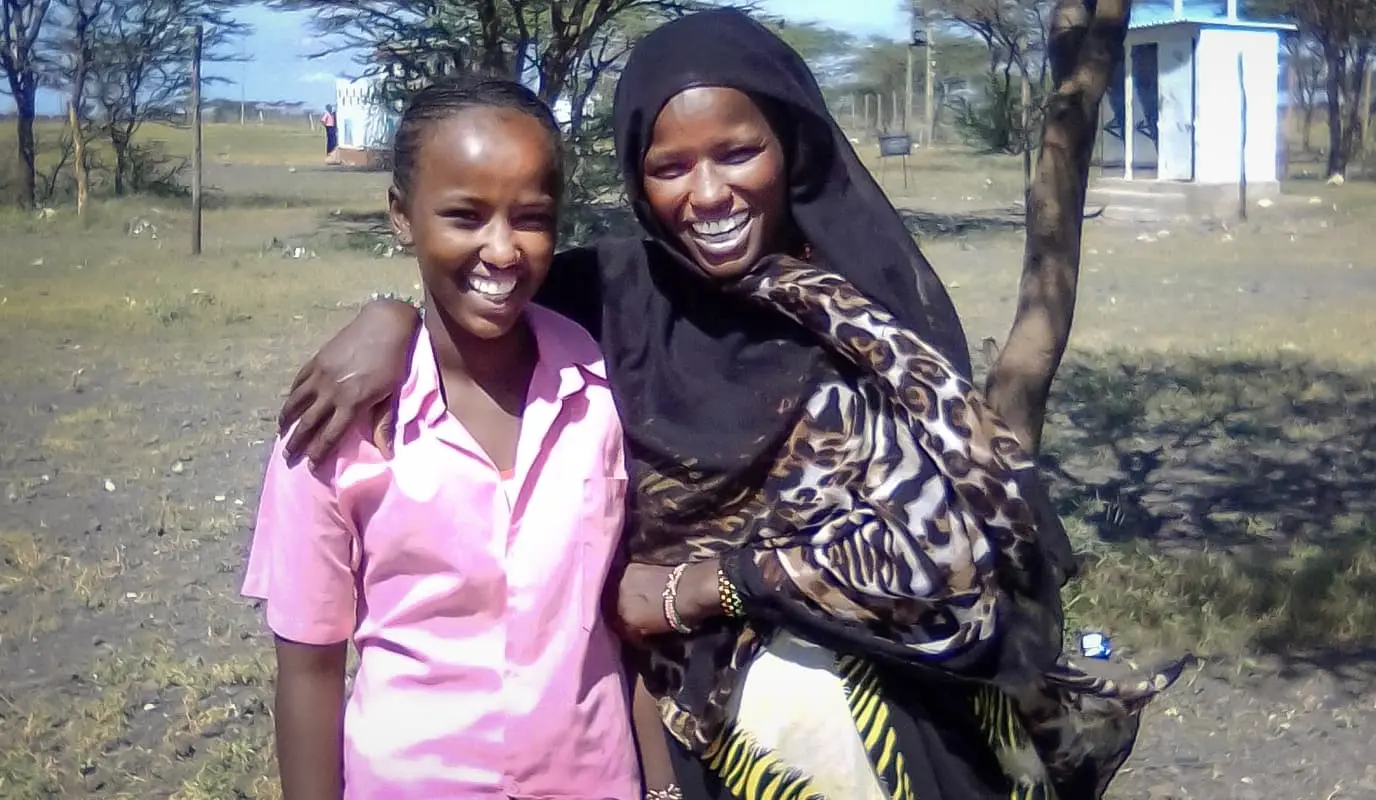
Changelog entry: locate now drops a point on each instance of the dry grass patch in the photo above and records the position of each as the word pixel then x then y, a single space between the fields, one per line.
pixel 1221 505
pixel 113 443
pixel 31 580
pixel 53 743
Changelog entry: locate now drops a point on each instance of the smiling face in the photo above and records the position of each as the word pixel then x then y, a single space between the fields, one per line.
pixel 714 176
pixel 481 216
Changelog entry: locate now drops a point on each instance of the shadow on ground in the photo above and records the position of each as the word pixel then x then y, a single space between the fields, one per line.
pixel 930 224
pixel 1220 504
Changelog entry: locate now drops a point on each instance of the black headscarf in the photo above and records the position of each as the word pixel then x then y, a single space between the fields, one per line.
pixel 702 376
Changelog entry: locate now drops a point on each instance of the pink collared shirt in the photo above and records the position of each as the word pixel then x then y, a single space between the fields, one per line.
pixel 485 668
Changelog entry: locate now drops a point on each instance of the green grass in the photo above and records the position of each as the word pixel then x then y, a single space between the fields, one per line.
pixel 273 143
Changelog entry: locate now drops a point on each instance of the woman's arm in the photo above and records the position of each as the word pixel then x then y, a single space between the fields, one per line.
pixel 656 768
pixel 640 602
pixel 309 716
pixel 356 373
pixel 787 586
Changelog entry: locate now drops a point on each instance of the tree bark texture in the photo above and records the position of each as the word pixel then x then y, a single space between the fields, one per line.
pixel 1086 42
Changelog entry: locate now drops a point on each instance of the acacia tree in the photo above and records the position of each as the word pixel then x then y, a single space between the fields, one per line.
pixel 1014 34
pixel 73 46
pixel 21 25
pixel 1084 44
pixel 142 51
pixel 829 53
pixel 879 66
pixel 1306 77
pixel 553 42
pixel 1343 32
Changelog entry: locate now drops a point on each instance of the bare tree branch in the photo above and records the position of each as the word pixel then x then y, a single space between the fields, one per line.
pixel 142 52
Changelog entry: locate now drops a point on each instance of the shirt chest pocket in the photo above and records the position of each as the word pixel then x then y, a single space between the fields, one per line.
pixel 599 537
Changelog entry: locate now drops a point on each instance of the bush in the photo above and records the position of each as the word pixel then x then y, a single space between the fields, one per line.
pixel 992 122
pixel 595 203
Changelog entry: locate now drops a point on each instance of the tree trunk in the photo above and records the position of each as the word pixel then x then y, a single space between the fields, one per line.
pixel 1026 136
pixel 1086 43
pixel 24 102
pixel 79 156
pixel 1292 93
pixel 121 149
pixel 1337 66
pixel 1307 137
pixel 1352 105
pixel 1362 134
pixel 75 102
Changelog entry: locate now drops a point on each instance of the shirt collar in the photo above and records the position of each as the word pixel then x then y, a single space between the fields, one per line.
pixel 567 357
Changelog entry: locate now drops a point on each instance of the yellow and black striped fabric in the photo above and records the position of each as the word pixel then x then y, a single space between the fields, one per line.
pixel 752 772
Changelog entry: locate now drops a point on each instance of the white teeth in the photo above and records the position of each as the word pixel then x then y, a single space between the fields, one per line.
pixel 722 237
pixel 492 287
pixel 720 227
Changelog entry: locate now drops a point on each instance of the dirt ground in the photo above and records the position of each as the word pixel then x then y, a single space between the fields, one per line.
pixel 1211 447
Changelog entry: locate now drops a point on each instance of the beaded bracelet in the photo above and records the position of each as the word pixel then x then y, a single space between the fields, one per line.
pixel 731 604
pixel 670 596
pixel 670 792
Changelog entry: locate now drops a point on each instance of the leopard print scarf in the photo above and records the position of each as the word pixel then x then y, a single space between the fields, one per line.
pixel 890 524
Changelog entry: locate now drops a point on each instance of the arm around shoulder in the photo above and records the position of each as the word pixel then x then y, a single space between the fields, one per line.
pixel 355 376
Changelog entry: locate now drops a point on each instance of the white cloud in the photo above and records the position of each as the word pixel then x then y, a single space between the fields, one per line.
pixel 318 76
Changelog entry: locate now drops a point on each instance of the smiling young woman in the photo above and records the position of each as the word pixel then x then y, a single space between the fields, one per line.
pixel 715 178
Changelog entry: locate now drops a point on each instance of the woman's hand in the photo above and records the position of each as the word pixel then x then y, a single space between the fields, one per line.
pixel 357 372
pixel 640 598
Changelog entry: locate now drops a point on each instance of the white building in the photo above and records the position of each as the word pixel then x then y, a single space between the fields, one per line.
pixel 366 122
pixel 1184 84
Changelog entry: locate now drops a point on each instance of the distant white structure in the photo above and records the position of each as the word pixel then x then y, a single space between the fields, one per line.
pixel 1182 90
pixel 366 122
pixel 1171 144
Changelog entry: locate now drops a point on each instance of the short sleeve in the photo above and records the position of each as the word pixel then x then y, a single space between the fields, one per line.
pixel 301 560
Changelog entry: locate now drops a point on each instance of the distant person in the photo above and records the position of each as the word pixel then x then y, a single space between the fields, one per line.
pixel 466 569
pixel 331 126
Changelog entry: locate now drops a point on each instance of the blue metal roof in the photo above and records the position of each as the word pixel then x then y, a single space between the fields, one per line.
pixel 1156 16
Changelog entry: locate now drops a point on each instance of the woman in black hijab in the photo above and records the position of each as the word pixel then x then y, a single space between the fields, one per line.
pixel 844 575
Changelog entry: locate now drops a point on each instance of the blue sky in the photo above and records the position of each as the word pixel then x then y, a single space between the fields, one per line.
pixel 280 70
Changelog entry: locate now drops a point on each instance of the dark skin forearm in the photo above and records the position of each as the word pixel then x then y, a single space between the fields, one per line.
pixel 698 597
pixel 309 715
pixel 656 769
pixel 351 379
pixel 640 604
